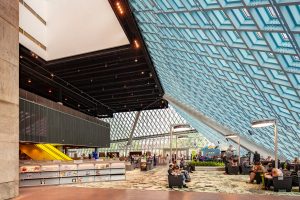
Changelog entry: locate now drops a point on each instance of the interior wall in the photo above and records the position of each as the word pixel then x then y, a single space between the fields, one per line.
pixel 81 27
pixel 33 26
pixel 9 98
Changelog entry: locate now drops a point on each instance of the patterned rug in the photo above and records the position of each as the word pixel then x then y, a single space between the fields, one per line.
pixel 202 181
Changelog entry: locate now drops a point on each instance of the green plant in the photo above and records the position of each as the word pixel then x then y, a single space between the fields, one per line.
pixel 207 163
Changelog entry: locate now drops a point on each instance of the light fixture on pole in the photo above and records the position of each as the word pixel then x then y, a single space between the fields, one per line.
pixel 265 123
pixel 239 143
pixel 177 127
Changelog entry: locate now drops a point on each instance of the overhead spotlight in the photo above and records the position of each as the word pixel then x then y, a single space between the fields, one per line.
pixel 150 74
pixel 119 7
pixel 29 80
pixel 78 105
pixel 32 54
pixel 50 91
pixel 21 57
pixel 66 99
pixel 36 57
pixel 136 60
pixel 142 72
pixel 52 75
pixel 136 44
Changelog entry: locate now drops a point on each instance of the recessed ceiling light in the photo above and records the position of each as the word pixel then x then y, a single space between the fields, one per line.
pixel 50 91
pixel 136 44
pixel 21 57
pixel 142 72
pixel 52 75
pixel 136 60
pixel 78 105
pixel 150 74
pixel 29 81
pixel 66 99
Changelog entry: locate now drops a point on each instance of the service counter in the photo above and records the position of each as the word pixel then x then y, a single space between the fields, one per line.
pixel 57 173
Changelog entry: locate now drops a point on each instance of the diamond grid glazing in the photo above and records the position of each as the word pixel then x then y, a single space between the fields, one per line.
pixel 234 61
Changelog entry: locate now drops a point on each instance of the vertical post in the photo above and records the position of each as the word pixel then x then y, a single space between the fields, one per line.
pixel 171 137
pixel 276 144
pixel 239 149
pixel 176 147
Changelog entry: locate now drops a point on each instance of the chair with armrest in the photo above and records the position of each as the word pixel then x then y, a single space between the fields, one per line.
pixel 233 170
pixel 176 181
pixel 282 183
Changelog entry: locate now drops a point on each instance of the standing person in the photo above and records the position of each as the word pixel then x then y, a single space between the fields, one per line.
pixel 167 158
pixel 256 157
pixel 154 160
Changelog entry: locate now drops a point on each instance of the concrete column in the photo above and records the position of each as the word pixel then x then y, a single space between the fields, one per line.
pixel 9 98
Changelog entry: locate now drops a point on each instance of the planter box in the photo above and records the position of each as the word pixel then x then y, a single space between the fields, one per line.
pixel 207 168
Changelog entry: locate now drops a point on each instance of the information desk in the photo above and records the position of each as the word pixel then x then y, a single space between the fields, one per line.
pixel 38 174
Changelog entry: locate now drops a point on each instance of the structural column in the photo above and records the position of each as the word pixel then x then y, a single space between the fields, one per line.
pixel 9 98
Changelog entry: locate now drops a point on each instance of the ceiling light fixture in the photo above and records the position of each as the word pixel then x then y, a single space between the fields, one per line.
pixel 29 81
pixel 136 60
pixel 142 72
pixel 120 8
pixel 21 57
pixel 50 91
pixel 136 44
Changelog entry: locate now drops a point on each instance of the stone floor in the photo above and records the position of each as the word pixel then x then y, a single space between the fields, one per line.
pixel 202 181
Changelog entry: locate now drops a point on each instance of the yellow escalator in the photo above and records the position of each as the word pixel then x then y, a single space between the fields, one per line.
pixel 43 152
pixel 57 152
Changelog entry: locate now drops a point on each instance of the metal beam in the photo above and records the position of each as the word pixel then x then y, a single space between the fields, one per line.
pixel 178 133
pixel 245 143
pixel 137 116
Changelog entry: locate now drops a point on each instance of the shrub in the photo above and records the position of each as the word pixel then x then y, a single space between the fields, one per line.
pixel 207 163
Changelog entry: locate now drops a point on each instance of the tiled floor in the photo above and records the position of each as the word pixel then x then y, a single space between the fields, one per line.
pixel 210 181
pixel 153 185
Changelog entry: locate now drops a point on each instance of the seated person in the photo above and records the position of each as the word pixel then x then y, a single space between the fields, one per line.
pixel 256 169
pixel 182 163
pixel 177 172
pixel 269 177
pixel 234 162
pixel 170 170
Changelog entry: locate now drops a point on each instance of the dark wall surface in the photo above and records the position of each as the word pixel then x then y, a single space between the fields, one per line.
pixel 39 123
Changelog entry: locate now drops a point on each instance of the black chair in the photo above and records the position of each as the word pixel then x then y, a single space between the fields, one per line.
pixel 246 170
pixel 282 183
pixel 295 178
pixel 176 181
pixel 258 178
pixel 233 170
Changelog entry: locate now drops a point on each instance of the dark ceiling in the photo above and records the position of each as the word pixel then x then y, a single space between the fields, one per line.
pixel 98 83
